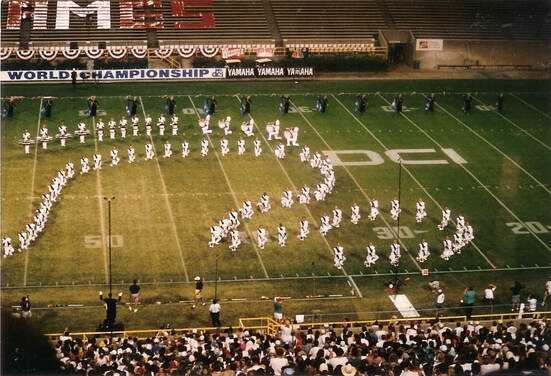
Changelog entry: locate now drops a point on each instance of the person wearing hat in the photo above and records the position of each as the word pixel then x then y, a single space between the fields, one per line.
pixel 348 370
pixel 198 290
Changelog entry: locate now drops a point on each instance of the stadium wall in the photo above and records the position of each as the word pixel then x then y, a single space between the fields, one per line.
pixel 462 52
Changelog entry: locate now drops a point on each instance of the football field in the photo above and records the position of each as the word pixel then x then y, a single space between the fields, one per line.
pixel 492 167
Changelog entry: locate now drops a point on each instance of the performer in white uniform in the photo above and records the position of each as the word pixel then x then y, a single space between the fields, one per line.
pixel 70 167
pixel 44 138
pixel 8 247
pixel 174 124
pixel 26 137
pixel 240 146
pixel 149 153
pixel 62 133
pixel 374 206
pixel 84 165
pixel 446 213
pixel 280 151
pixel 460 222
pixel 204 147
pixel 324 224
pixel 204 125
pixel 123 123
pixel 215 235
pixel 423 253
pixel 291 135
pixel 395 208
pixel 114 157
pixel 287 199
pixel 458 242
pixel 97 161
pixel 447 249
pixel 235 241
pixel 81 127
pixel 246 210
pixel 420 212
pixel 100 128
pixel 355 216
pixel 370 255
pixel 135 125
pixel 395 254
pixel 185 148
pixel 281 235
pixel 304 195
pixel 168 149
pixel 305 154
pixel 161 121
pixel 468 233
pixel 261 236
pixel 248 128
pixel 225 125
pixel 224 146
pixel 264 204
pixel 273 130
pixel 339 258
pixel 233 216
pixel 131 154
pixel 257 148
pixel 337 217
pixel 148 121
pixel 304 228
pixel 112 124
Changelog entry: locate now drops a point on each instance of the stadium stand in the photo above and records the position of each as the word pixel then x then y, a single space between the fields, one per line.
pixel 468 348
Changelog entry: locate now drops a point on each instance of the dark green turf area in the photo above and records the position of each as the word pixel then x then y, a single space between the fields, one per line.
pixel 164 207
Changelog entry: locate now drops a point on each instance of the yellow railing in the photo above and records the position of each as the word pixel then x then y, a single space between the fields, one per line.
pixel 270 326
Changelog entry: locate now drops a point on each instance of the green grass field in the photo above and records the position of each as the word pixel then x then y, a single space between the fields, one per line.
pixel 164 207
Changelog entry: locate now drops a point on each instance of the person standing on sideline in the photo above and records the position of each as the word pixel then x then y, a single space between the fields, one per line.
pixel 214 310
pixel 26 307
pixel 111 309
pixel 489 293
pixel 515 298
pixel 278 308
pixel 198 291
pixel 468 301
pixel 440 299
pixel 134 296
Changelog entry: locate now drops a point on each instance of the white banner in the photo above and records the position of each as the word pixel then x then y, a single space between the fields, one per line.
pixel 115 74
pixel 429 45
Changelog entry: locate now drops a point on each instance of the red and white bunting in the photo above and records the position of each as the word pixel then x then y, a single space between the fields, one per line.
pixel 48 54
pixel 117 52
pixel 5 53
pixel 139 51
pixel 71 54
pixel 94 52
pixel 24 54
pixel 209 51
pixel 187 51
pixel 164 52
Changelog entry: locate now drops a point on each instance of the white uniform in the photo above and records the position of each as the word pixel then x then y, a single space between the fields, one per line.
pixel 7 246
pixel 70 167
pixel 240 146
pixel 161 124
pixel 224 146
pixel 84 166
pixel 62 129
pixel 338 256
pixel 458 242
pixel 168 150
pixel 204 147
pixel 204 125
pixel 115 157
pixel 215 235
pixel 420 212
pixel 131 155
pixel 123 123
pixel 287 199
pixel 246 210
pixel 99 127
pixel 248 128
pixel 27 138
pixel 446 213
pixel 370 256
pixel 225 124
pixel 261 237
pixel 97 161
pixel 395 209
pixel 337 217
pixel 324 224
pixel 112 128
pixel 304 195
pixel 460 223
pixel 185 149
pixel 148 121
pixel 291 134
pixel 234 218
pixel 264 204
pixel 31 231
pixel 174 125
pixel 447 251
pixel 44 137
pixel 423 253
pixel 395 254
pixel 304 229
pixel 257 148
pixel 280 151
pixel 355 216
pixel 82 129
pixel 305 154
pixel 273 130
pixel 468 234
pixel 23 240
pixel 281 235
pixel 235 241
pixel 315 162
pixel 149 153
pixel 374 206
pixel 135 125
pixel 321 190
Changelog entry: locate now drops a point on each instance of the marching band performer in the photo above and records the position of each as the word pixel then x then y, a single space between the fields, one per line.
pixel 131 154
pixel 233 216
pixel 44 136
pixel 423 253
pixel 261 236
pixel 8 247
pixel 161 124
pixel 324 224
pixel 99 129
pixel 460 222
pixel 62 133
pixel 304 228
pixel 457 241
pixel 168 149
pixel 122 125
pixel 215 234
pixel 70 167
pixel 185 148
pixel 240 146
pixel 446 213
pixel 257 148
pixel 337 217
pixel 204 125
pixel 287 199
pixel 148 121
pixel 281 235
pixel 447 251
pixel 114 157
pixel 420 212
pixel 204 147
pixel 112 128
pixel 339 258
pixel 81 130
pixel 135 125
pixel 304 195
pixel 273 130
pixel 84 165
pixel 264 204
pixel 97 161
pixel 248 127
pixel 355 216
pixel 224 146
pixel 174 124
pixel 395 208
pixel 149 153
pixel 305 154
pixel 395 254
pixel 280 151
pixel 370 255
pixel 235 241
pixel 23 240
pixel 468 233
pixel 26 137
pixel 246 210
pixel 374 206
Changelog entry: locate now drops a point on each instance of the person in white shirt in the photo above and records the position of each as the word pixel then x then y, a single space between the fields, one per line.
pixel 281 235
pixel 23 240
pixel 446 213
pixel 135 125
pixel 287 199
pixel 324 224
pixel 423 253
pixel 304 195
pixel 26 137
pixel 248 128
pixel 99 128
pixel 62 133
pixel 447 246
pixel 161 124
pixel 97 161
pixel 305 154
pixel 395 253
pixel 168 149
pixel 204 147
pixel 246 210
pixel 337 217
pixel 235 241
pixel 7 246
pixel 339 258
pixel 440 299
pixel 131 154
pixel 149 153
pixel 233 216
pixel 458 242
pixel 468 233
pixel 81 130
pixel 261 236
pixel 204 125
pixel 460 222
pixel 148 121
pixel 257 147
pixel 370 255
pixel 70 167
pixel 280 151
pixel 279 361
pixel 264 204
pixel 338 359
pixel 304 230
pixel 240 146
pixel 215 234
pixel 224 146
pixel 374 206
pixel 44 136
pixel 395 208
pixel 214 310
pixel 489 293
pixel 420 212
pixel 174 124
pixel 114 157
pixel 84 166
pixel 355 216
pixel 112 124
pixel 225 125
pixel 273 130
pixel 185 148
pixel 122 125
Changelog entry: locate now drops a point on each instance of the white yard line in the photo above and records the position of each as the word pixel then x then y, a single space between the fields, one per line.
pixel 233 195
pixel 313 219
pixel 474 177
pixel 411 175
pixel 104 240
pixel 531 106
pixel 517 126
pixel 483 139
pixel 390 228
pixel 32 185
pixel 168 206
